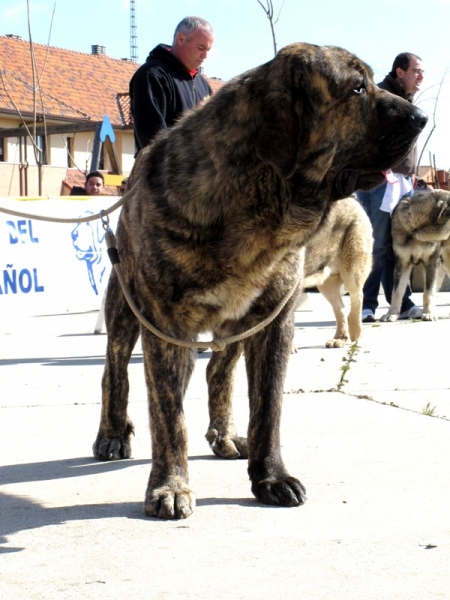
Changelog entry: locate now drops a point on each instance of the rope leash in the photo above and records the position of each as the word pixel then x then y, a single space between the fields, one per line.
pixel 217 344
pixel 99 215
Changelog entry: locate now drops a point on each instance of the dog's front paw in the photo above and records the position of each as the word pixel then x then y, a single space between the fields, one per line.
pixel 282 491
pixel 429 316
pixel 227 446
pixel 388 318
pixel 336 343
pixel 168 503
pixel 113 446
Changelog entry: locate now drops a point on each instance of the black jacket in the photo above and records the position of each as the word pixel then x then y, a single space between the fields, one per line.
pixel 161 90
pixel 408 165
pixel 78 191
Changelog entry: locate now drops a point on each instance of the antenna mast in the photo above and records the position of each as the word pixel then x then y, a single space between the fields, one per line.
pixel 133 33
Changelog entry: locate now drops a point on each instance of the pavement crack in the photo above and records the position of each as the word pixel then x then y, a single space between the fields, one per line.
pixel 427 410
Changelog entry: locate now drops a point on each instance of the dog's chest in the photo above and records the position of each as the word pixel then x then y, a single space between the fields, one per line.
pixel 231 299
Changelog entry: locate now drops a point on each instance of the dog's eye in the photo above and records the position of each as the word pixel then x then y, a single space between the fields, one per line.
pixel 360 89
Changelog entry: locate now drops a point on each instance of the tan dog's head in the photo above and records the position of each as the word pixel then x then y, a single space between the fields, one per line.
pixel 426 213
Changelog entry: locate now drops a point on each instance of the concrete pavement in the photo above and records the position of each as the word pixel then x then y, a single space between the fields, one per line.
pixel 365 428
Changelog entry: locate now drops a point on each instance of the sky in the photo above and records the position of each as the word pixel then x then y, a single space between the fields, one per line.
pixel 375 30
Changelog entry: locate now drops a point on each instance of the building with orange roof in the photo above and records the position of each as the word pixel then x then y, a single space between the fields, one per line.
pixel 61 97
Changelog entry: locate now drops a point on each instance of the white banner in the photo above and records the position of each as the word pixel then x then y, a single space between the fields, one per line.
pixel 53 268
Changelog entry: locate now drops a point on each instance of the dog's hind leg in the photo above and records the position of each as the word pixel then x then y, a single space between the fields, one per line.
pixel 402 273
pixel 331 289
pixel 267 354
pixel 354 283
pixel 221 434
pixel 167 371
pixel 113 439
pixel 445 256
pixel 431 270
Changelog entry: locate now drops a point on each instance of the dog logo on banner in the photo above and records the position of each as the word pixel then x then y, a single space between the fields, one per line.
pixel 87 240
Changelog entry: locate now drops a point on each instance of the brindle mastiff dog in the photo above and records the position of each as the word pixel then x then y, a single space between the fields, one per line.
pixel 209 241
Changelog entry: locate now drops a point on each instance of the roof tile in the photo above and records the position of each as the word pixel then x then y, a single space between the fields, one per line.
pixel 86 83
pixel 73 85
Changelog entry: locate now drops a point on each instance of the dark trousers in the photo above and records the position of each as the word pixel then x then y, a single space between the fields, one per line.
pixel 383 254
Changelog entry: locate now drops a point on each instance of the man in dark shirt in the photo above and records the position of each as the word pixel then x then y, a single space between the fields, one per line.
pixel 168 83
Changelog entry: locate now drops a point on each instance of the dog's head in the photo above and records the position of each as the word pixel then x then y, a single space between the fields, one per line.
pixel 326 120
pixel 425 214
pixel 307 127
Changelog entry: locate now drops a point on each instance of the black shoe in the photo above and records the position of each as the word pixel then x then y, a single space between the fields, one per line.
pixel 368 316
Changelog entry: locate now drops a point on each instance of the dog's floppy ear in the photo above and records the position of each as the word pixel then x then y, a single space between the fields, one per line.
pixel 437 211
pixel 277 140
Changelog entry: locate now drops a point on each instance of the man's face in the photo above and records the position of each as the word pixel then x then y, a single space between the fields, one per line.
pixel 411 80
pixel 94 186
pixel 193 50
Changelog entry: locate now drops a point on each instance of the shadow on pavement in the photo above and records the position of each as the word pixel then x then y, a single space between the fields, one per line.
pixel 24 513
pixel 72 361
pixel 62 469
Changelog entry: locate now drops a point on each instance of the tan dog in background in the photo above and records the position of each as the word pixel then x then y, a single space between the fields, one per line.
pixel 420 236
pixel 340 253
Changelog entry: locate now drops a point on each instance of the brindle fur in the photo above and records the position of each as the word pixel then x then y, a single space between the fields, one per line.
pixel 209 241
pixel 420 228
pixel 340 252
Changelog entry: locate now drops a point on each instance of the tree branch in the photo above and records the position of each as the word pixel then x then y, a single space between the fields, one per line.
pixel 268 9
pixel 441 83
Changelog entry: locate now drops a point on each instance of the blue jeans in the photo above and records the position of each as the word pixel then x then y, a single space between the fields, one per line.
pixel 383 254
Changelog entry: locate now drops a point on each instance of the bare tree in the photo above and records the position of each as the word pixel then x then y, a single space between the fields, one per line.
pixel 267 7
pixel 436 99
pixel 39 152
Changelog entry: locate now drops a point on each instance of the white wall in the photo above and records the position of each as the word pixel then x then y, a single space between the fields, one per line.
pixel 57 159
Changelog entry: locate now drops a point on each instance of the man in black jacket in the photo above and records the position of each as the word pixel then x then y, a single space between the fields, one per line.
pixel 404 80
pixel 168 83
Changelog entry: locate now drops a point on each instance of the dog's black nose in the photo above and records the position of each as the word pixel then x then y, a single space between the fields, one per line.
pixel 419 119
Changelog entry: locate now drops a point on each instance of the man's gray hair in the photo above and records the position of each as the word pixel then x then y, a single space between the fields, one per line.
pixel 190 24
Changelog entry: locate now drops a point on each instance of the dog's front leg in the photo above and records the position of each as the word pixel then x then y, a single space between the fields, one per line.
pixel 402 272
pixel 431 272
pixel 267 354
pixel 331 289
pixel 221 434
pixel 167 370
pixel 113 438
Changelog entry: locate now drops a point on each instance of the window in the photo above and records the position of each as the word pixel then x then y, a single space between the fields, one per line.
pixel 70 150
pixel 101 162
pixel 2 149
pixel 41 143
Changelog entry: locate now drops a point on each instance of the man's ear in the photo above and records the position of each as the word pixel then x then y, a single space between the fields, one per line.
pixel 278 138
pixel 399 72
